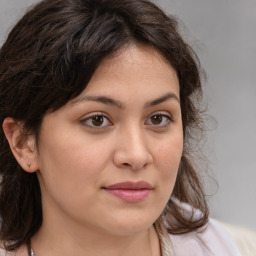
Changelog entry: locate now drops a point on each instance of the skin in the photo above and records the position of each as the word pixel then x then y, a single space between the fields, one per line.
pixel 136 138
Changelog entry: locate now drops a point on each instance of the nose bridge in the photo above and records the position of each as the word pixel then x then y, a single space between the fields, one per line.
pixel 135 138
pixel 133 147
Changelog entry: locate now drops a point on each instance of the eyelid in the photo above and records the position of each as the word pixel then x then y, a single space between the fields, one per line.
pixel 163 114
pixel 94 114
pixel 91 114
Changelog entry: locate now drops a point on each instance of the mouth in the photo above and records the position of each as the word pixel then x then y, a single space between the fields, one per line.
pixel 130 192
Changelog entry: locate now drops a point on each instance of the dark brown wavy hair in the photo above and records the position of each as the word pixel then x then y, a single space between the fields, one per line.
pixel 48 59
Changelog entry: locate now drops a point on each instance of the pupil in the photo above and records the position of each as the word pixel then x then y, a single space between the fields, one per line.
pixel 97 120
pixel 156 119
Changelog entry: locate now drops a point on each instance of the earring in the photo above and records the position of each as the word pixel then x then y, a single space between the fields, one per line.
pixel 29 164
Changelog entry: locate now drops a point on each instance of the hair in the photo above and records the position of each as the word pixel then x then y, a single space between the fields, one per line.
pixel 48 59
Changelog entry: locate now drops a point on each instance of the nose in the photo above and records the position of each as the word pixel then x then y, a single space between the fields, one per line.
pixel 132 150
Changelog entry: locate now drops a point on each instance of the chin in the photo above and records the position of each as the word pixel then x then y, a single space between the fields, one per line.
pixel 131 225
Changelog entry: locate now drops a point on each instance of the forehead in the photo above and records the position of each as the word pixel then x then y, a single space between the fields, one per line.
pixel 133 80
pixel 135 65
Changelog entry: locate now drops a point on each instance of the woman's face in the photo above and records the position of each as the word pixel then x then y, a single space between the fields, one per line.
pixel 108 159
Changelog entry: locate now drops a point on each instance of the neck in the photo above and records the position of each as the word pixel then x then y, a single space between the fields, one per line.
pixel 67 242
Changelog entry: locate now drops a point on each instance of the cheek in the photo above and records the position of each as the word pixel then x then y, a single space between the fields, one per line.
pixel 92 154
pixel 169 153
pixel 167 162
pixel 74 167
pixel 71 147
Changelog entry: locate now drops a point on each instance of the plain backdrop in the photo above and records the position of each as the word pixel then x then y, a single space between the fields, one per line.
pixel 223 33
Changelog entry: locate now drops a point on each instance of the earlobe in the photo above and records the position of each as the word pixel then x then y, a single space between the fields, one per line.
pixel 22 145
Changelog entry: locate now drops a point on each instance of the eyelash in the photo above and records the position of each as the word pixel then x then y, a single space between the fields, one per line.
pixel 94 115
pixel 89 119
pixel 168 119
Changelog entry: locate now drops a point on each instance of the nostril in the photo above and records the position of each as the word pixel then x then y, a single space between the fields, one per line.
pixel 132 160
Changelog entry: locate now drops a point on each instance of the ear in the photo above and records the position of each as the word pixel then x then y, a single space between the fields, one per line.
pixel 23 145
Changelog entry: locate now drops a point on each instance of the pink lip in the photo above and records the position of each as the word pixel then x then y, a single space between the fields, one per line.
pixel 131 192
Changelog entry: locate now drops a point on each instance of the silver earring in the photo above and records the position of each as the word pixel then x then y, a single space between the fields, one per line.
pixel 29 164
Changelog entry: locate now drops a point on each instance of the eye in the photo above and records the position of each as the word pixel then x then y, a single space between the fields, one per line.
pixel 96 121
pixel 159 119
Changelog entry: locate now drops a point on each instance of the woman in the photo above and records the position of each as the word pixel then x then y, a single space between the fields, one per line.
pixel 99 106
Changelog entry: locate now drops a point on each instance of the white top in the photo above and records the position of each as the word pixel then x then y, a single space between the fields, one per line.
pixel 216 239
pixel 213 241
pixel 244 238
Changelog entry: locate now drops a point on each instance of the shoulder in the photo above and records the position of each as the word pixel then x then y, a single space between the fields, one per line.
pixel 3 252
pixel 22 251
pixel 244 238
pixel 213 240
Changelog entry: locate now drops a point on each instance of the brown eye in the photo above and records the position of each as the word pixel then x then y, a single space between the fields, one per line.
pixel 159 120
pixel 156 119
pixel 97 120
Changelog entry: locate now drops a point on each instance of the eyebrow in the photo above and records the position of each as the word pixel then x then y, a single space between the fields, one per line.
pixel 120 105
pixel 101 99
pixel 162 99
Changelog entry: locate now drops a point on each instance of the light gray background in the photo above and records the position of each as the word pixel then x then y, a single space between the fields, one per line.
pixel 223 33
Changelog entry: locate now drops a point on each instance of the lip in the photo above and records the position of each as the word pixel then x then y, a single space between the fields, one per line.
pixel 130 192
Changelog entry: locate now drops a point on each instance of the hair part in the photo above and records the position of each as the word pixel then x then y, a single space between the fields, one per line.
pixel 48 59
